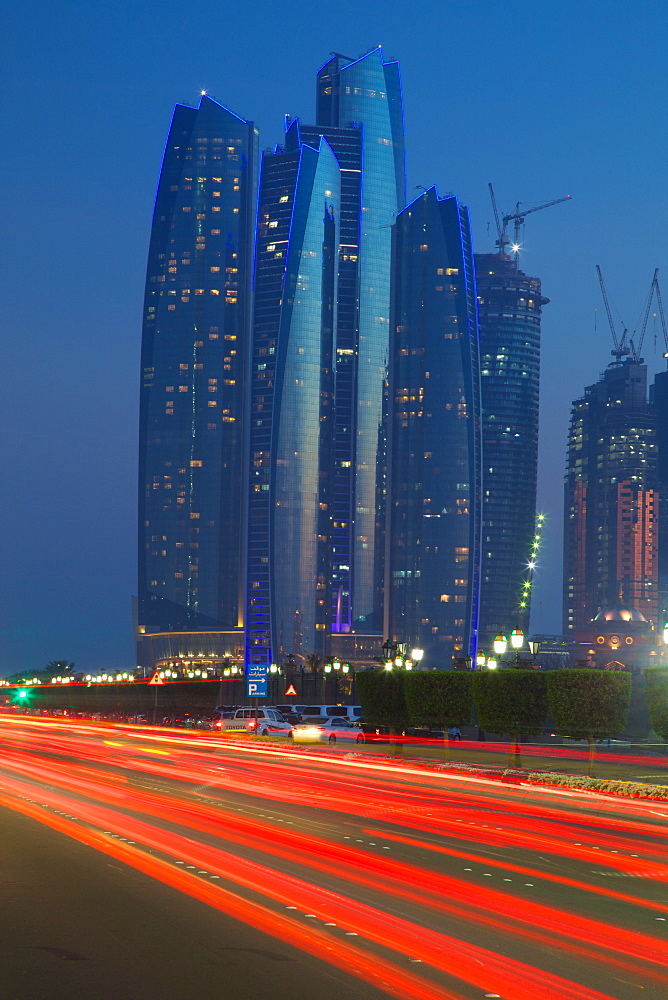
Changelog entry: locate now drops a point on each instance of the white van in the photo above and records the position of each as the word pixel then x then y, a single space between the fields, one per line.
pixel 350 712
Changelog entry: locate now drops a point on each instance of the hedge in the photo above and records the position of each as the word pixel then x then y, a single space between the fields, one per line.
pixel 511 701
pixel 439 698
pixel 656 692
pixel 381 695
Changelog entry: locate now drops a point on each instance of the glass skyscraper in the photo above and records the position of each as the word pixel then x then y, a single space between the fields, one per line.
pixel 193 403
pixel 292 401
pixel 360 111
pixel 435 509
pixel 509 305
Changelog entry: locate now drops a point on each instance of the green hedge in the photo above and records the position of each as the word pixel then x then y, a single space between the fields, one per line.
pixel 511 701
pixel 589 704
pixel 656 692
pixel 439 698
pixel 381 695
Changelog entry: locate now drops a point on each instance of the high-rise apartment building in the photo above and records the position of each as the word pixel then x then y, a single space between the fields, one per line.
pixel 292 402
pixel 193 427
pixel 611 499
pixel 360 112
pixel 435 493
pixel 509 305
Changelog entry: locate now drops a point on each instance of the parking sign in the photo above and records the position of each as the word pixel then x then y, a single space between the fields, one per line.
pixel 256 680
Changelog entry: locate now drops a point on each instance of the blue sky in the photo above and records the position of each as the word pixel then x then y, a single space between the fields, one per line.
pixel 542 99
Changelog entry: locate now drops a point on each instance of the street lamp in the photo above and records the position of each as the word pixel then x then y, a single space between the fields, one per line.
pixel 500 644
pixel 480 660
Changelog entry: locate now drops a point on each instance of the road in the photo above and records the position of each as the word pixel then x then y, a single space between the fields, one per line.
pixel 149 865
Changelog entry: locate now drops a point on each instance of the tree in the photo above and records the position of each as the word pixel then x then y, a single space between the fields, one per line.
pixel 656 692
pixel 511 701
pixel 381 695
pixel 589 704
pixel 439 698
pixel 59 666
pixel 314 664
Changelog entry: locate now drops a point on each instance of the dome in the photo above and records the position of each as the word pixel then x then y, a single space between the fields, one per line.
pixel 621 613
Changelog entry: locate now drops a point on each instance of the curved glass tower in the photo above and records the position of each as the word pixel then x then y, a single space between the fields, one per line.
pixel 509 304
pixel 435 513
pixel 353 97
pixel 192 444
pixel 292 401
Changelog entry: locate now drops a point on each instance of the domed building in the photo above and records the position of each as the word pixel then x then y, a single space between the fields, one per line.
pixel 618 638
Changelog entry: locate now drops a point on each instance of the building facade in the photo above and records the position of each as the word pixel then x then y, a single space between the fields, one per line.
pixel 435 508
pixel 360 111
pixel 611 530
pixel 510 304
pixel 292 402
pixel 193 398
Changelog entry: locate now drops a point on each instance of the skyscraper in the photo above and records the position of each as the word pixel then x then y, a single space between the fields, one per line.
pixel 292 401
pixel 360 112
pixel 435 495
pixel 195 342
pixel 509 304
pixel 611 500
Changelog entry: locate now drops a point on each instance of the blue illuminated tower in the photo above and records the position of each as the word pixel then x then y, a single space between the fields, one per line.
pixel 510 303
pixel 360 112
pixel 435 494
pixel 193 403
pixel 292 401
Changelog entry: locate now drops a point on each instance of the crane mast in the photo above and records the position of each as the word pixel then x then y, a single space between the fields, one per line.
pixel 517 217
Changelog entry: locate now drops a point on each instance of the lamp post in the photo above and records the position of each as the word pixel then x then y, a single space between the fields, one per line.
pixel 516 643
pixel 396 655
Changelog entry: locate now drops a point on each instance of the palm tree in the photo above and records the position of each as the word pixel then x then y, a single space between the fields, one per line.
pixel 59 666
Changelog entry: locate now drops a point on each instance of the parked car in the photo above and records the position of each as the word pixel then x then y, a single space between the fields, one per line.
pixel 350 712
pixel 268 721
pixel 287 710
pixel 326 730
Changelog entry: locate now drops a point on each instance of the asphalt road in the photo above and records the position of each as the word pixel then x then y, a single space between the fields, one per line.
pixel 146 865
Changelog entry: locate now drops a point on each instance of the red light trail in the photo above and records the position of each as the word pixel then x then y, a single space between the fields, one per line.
pixel 296 845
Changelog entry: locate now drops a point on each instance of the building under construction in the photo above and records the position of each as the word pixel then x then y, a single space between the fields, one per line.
pixel 616 492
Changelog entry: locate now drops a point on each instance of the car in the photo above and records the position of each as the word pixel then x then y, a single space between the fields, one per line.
pixel 324 730
pixel 287 710
pixel 351 712
pixel 262 721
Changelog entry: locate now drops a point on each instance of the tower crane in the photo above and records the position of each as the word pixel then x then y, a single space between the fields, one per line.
pixel 620 349
pixel 517 217
pixel 661 314
pixel 653 288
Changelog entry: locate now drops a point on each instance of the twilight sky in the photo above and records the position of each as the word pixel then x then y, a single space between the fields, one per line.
pixel 541 98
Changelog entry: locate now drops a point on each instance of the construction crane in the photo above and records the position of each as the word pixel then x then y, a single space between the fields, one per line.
pixel 659 303
pixel 654 287
pixel 518 218
pixel 620 349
